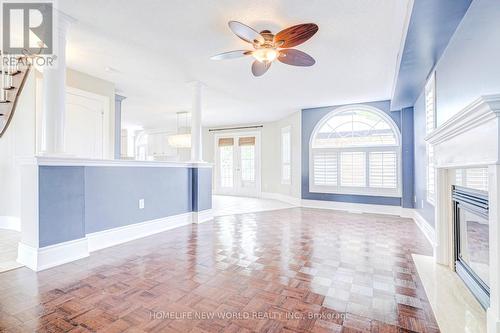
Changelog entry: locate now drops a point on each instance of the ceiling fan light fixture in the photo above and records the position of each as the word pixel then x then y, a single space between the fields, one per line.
pixel 268 47
pixel 265 55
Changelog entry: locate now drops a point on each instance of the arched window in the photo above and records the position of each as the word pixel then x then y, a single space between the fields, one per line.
pixel 355 150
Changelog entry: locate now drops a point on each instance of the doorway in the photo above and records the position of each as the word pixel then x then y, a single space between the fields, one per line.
pixel 87 124
pixel 238 164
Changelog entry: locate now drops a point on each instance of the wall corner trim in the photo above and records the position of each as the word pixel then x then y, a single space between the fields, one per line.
pixel 425 227
pixel 53 255
pixel 203 216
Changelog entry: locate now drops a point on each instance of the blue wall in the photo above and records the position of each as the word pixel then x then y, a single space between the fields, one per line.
pixel 310 117
pixel 202 189
pixel 468 68
pixel 407 156
pixel 470 65
pixel 61 204
pixel 75 200
pixel 112 195
pixel 432 24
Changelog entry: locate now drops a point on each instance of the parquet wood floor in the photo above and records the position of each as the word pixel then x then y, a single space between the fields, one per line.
pixel 291 270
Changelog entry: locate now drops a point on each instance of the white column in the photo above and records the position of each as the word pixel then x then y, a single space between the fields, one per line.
pixel 196 149
pixel 54 90
pixel 493 312
pixel 442 217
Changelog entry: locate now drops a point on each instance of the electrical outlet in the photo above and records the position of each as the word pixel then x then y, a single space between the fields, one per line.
pixel 415 199
pixel 422 203
pixel 141 203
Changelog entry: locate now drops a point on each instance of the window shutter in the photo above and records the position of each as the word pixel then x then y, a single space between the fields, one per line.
pixel 325 168
pixel 224 142
pixel 459 177
pixel 383 169
pixel 477 178
pixel 353 169
pixel 430 174
pixel 430 125
pixel 247 141
pixel 286 167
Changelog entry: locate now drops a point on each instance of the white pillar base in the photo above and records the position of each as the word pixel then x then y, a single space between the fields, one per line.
pixel 203 216
pixel 492 322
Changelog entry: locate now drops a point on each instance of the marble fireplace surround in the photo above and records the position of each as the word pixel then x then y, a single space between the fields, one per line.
pixel 471 138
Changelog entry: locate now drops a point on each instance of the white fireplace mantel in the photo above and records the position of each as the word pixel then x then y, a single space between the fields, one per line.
pixel 471 138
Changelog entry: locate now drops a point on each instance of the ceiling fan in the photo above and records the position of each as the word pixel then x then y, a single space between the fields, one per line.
pixel 268 47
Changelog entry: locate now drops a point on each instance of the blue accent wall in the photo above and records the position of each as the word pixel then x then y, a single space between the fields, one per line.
pixel 61 193
pixel 112 195
pixel 470 65
pixel 468 68
pixel 408 153
pixel 78 200
pixel 310 117
pixel 202 189
pixel 431 26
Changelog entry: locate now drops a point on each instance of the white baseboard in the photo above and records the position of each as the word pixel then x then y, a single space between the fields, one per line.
pixel 425 227
pixel 53 255
pixel 358 208
pixel 282 197
pixel 203 216
pixel 10 223
pixel 102 239
pixel 352 207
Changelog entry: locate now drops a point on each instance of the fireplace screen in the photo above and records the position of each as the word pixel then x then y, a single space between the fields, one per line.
pixel 472 240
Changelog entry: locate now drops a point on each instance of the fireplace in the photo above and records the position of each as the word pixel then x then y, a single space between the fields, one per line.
pixel 470 139
pixel 471 233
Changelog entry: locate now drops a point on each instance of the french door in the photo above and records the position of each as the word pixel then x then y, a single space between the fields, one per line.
pixel 238 164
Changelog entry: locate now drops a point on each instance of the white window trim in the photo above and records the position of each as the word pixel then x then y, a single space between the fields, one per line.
pixel 430 194
pixel 286 130
pixel 369 191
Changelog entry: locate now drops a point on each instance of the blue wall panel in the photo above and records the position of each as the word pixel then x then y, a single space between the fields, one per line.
pixel 310 117
pixel 407 157
pixel 202 189
pixel 432 24
pixel 112 195
pixel 61 204
pixel 76 200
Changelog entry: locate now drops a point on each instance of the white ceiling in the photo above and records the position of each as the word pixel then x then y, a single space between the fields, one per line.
pixel 158 46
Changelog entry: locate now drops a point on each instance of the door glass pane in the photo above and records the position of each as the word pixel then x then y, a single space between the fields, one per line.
pixel 247 163
pixel 226 166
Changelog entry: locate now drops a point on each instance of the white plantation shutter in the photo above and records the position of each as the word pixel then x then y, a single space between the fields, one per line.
pixel 353 169
pixel 430 125
pixel 286 155
pixel 356 150
pixel 476 178
pixel 325 168
pixel 383 168
pixel 431 174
